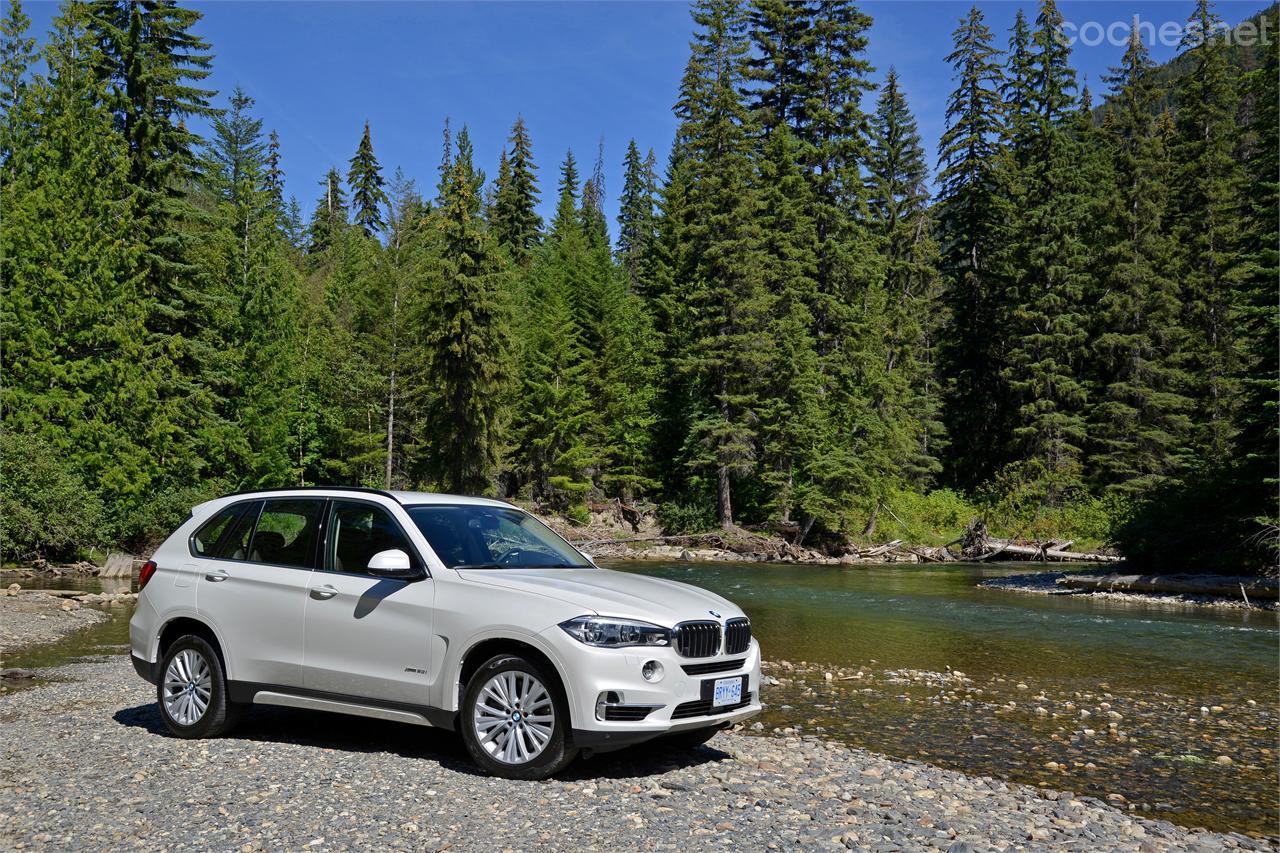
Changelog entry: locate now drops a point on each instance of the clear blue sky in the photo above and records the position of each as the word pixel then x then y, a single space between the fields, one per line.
pixel 576 71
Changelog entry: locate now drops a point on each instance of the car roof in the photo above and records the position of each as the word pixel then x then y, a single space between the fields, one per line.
pixel 402 497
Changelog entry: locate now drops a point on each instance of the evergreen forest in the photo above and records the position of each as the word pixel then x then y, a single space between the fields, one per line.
pixel 1064 320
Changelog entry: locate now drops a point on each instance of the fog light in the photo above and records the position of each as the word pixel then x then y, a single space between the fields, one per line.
pixel 652 671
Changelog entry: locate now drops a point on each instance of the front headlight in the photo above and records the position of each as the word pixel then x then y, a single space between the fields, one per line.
pixel 615 633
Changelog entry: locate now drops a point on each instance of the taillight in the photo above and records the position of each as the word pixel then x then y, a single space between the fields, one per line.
pixel 148 569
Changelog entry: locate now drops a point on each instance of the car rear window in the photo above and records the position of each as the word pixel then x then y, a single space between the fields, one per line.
pixel 206 538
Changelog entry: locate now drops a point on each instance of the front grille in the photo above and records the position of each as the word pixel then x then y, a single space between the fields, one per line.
pixel 737 636
pixel 696 639
pixel 708 668
pixel 702 708
pixel 627 713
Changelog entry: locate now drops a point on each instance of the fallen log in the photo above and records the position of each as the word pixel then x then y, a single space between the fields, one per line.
pixel 880 550
pixel 1042 552
pixel 1227 587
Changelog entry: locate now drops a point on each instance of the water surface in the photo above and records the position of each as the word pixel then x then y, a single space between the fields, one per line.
pixel 1156 667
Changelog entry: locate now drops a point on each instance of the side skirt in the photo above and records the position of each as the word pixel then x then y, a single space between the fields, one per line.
pixel 339 703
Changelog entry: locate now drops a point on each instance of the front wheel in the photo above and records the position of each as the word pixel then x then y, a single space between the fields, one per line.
pixel 193 690
pixel 515 721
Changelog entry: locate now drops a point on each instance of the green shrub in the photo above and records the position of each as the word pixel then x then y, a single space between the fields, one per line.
pixel 677 518
pixel 45 508
pixel 580 513
pixel 165 509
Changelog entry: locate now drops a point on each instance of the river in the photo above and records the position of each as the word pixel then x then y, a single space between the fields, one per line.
pixel 1181 680
pixel 1155 667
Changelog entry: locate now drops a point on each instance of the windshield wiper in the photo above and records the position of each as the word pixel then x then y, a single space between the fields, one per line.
pixel 483 566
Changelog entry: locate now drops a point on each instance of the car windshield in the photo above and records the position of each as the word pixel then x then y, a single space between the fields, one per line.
pixel 492 537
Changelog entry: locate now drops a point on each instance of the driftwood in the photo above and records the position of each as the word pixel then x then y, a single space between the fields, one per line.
pixel 118 566
pixel 1258 588
pixel 978 545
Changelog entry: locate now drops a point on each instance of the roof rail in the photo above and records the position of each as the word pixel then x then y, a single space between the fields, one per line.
pixel 361 489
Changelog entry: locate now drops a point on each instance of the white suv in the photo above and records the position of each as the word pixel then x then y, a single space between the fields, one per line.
pixel 462 613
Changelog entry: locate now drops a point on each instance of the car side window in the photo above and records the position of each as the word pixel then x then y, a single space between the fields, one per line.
pixel 286 533
pixel 359 530
pixel 235 544
pixel 206 538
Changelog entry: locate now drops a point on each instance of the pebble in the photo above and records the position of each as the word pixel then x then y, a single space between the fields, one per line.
pixel 325 781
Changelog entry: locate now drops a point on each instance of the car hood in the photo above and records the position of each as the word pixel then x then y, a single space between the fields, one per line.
pixel 608 593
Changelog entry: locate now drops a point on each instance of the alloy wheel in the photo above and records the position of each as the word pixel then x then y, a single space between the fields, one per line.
pixel 188 687
pixel 514 717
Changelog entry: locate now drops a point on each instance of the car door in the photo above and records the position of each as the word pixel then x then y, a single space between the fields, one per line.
pixel 367 637
pixel 254 588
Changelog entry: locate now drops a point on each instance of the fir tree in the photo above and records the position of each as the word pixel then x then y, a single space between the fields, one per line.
pixel 726 299
pixel 967 213
pixel 465 327
pixel 330 215
pixel 1140 422
pixel 274 176
pixel 515 220
pixel 1051 267
pixel 636 215
pixel 365 180
pixel 899 200
pixel 1207 223
pixel 77 367
pixel 17 52
pixel 237 152
pixel 791 417
pixel 783 36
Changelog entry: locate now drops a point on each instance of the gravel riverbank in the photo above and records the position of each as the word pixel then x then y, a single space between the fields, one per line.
pixel 29 619
pixel 86 762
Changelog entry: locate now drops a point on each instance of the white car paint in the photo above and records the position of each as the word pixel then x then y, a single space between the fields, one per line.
pixel 295 632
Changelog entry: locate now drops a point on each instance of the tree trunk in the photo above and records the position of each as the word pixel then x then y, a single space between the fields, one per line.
pixel 724 506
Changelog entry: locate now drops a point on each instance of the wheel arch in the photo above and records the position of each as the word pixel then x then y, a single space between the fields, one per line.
pixel 181 626
pixel 489 647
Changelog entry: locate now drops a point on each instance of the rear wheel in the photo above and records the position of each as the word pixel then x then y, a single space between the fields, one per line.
pixel 515 721
pixel 192 691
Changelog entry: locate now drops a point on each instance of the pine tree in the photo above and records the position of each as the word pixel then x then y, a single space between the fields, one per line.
pixel 1207 223
pixel 515 220
pixel 968 207
pixel 465 328
pixel 367 195
pixel 899 201
pixel 1140 423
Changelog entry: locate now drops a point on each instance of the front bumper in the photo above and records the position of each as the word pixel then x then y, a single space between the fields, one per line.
pixel 591 672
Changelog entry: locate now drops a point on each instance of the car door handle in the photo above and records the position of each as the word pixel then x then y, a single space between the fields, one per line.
pixel 323 592
pixel 216 576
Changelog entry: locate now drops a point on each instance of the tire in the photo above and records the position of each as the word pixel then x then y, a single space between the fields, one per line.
pixel 692 739
pixel 503 737
pixel 200 708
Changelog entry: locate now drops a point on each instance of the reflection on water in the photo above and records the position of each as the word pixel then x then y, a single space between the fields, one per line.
pixel 1035 664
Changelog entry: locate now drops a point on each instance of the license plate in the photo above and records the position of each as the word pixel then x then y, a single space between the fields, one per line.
pixel 727 691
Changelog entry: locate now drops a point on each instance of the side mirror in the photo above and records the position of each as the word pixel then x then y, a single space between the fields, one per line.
pixel 391 564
